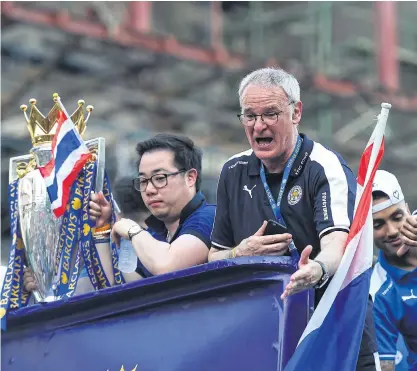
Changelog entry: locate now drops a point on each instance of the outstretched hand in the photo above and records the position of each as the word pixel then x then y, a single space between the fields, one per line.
pixel 308 274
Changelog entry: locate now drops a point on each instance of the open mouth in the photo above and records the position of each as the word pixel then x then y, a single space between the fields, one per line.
pixel 263 141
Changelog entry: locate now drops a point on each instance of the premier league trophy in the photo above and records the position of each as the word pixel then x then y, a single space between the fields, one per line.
pixel 55 248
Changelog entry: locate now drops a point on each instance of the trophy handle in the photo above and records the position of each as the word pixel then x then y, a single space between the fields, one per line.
pixel 15 164
pixel 97 147
pixel 37 296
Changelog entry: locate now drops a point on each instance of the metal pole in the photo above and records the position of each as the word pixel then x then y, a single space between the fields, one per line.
pixel 386 44
pixel 140 16
pixel 325 31
pixel 256 30
pixel 216 25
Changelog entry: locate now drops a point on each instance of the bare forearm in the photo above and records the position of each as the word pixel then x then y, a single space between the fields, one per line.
pixel 332 249
pixel 104 252
pixel 215 254
pixel 131 277
pixel 387 366
pixel 153 254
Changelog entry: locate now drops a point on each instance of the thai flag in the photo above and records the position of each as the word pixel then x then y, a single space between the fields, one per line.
pixel 69 154
pixel 332 338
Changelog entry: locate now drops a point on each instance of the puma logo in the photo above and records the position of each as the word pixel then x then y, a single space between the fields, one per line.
pixel 245 188
pixel 412 296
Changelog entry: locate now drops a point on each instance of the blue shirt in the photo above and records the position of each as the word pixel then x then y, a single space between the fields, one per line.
pixel 196 219
pixel 395 309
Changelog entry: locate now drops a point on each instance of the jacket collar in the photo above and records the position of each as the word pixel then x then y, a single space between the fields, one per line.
pixel 397 274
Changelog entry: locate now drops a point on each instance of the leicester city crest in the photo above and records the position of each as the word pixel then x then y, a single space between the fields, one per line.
pixel 294 195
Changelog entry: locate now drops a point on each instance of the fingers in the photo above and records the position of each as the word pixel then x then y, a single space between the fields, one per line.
pixel 30 286
pixel 95 214
pixel 404 248
pixel 407 227
pixel 29 280
pixel 97 201
pixel 305 256
pixel 305 278
pixel 275 238
pixel 102 200
pixel 275 249
pixel 94 197
pixel 261 231
pixel 94 206
pixel 285 294
pixel 115 237
pixel 409 238
pixel 298 284
pixel 290 289
pixel 409 235
pixel 302 276
pixel 411 223
pixel 293 288
pixel 95 210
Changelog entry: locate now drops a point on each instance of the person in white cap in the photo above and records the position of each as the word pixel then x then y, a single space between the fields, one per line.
pixel 394 280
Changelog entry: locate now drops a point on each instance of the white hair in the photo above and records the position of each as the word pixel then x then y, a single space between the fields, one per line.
pixel 272 78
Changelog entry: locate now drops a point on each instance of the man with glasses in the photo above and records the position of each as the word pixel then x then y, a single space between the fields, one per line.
pixel 290 179
pixel 179 230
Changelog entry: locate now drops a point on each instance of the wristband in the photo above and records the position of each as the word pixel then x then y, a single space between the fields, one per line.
pixel 101 239
pixel 103 228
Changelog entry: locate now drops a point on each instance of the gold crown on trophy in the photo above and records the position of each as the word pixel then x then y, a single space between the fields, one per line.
pixel 42 129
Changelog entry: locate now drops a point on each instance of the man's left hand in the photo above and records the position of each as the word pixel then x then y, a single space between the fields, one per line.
pixel 308 274
pixel 120 230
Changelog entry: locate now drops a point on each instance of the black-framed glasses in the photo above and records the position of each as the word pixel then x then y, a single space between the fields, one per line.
pixel 157 180
pixel 269 118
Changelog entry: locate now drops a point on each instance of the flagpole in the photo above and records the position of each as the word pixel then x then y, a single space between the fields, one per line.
pixel 379 135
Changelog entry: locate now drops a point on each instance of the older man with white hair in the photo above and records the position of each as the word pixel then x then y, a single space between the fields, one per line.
pixel 289 179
